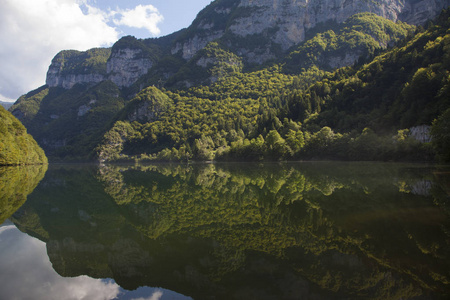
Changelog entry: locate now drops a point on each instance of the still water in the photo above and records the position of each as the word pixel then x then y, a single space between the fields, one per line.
pixel 225 231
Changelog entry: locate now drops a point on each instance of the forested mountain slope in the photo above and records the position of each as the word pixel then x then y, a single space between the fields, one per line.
pixel 200 95
pixel 404 87
pixel 17 147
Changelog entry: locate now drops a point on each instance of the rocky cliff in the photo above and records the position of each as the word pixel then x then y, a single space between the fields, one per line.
pixel 71 67
pixel 123 64
pixel 284 23
pixel 255 30
pixel 238 50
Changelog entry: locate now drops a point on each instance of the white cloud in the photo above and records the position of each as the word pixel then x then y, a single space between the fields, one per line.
pixel 142 16
pixel 33 31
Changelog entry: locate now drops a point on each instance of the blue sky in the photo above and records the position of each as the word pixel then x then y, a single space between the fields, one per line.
pixel 177 14
pixel 34 31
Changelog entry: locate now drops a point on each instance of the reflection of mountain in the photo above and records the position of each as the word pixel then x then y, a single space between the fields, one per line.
pixel 227 231
pixel 16 183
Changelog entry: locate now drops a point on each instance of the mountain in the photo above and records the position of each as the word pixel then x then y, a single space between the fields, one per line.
pixel 16 146
pixel 234 74
pixel 255 31
pixel 258 30
pixel 6 105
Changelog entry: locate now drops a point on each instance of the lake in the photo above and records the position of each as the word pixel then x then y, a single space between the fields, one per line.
pixel 310 230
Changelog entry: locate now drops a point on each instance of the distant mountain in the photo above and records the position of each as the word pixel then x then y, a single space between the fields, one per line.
pixel 235 68
pixel 6 105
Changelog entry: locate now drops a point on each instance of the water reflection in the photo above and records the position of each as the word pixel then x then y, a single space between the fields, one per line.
pixel 283 231
pixel 27 273
pixel 16 183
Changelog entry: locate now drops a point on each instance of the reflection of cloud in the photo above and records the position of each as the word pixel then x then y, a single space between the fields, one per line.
pixel 5 228
pixel 143 293
pixel 27 273
pixel 156 296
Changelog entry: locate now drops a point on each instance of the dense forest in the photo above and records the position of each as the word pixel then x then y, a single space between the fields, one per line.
pixel 297 107
pixel 361 112
pixel 17 147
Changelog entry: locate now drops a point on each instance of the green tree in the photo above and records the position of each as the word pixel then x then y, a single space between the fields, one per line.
pixel 203 148
pixel 275 145
pixel 440 132
pixel 17 147
pixel 295 140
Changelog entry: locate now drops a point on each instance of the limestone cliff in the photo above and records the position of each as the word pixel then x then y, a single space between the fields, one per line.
pixel 293 18
pixel 71 67
pixel 284 23
pixel 123 64
pixel 255 30
pixel 126 65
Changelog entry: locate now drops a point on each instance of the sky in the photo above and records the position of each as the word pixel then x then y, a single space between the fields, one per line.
pixel 32 32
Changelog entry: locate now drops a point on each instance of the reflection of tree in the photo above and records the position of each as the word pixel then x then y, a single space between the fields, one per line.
pixel 115 187
pixel 316 207
pixel 357 230
pixel 16 183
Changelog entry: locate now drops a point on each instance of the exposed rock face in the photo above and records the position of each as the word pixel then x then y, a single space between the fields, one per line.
pixel 294 17
pixel 421 133
pixel 145 112
pixel 251 29
pixel 125 66
pixel 285 22
pixel 53 143
pixel 190 47
pixel 422 188
pixel 71 67
pixel 218 62
pixel 339 61
pixel 69 80
pixel 419 11
pixel 257 56
pixel 83 109
pixel 207 61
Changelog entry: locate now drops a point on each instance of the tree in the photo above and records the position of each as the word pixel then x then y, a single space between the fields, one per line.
pixel 295 140
pixel 323 137
pixel 275 145
pixel 203 148
pixel 440 133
